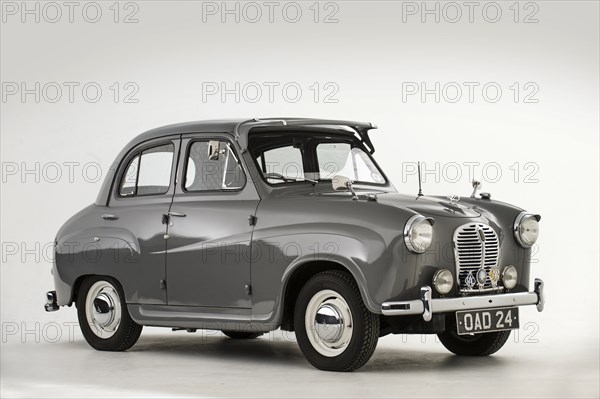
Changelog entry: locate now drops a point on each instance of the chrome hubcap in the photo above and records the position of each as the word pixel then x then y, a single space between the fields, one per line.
pixel 103 309
pixel 328 323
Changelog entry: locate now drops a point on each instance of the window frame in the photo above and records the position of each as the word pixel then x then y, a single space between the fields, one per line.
pixel 137 152
pixel 186 164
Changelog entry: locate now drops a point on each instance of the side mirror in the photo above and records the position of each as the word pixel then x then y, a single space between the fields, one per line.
pixel 476 186
pixel 214 150
pixel 340 183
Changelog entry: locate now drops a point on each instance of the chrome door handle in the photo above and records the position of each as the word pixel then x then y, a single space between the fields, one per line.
pixel 177 214
pixel 109 216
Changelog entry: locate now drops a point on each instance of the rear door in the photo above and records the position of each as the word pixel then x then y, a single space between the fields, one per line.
pixel 209 234
pixel 133 221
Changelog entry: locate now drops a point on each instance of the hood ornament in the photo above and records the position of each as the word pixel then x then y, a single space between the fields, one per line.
pixel 453 199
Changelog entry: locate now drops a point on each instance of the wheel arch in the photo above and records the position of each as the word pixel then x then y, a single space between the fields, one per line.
pixel 296 277
pixel 80 279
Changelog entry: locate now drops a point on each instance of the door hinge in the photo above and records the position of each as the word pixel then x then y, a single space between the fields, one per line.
pixel 252 220
pixel 163 284
pixel 248 289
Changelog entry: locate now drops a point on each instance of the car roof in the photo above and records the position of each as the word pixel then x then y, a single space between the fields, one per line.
pixel 239 127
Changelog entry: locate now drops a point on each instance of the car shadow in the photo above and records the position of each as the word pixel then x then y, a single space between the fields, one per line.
pixel 286 352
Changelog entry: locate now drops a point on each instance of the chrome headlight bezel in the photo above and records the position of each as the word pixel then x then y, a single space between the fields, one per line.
pixel 525 217
pixel 411 243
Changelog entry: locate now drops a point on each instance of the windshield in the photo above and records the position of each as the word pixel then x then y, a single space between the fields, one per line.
pixel 290 158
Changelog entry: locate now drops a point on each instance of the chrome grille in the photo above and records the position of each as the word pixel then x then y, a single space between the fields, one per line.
pixel 472 251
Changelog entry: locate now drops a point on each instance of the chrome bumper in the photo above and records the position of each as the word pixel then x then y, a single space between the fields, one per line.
pixel 427 306
pixel 51 305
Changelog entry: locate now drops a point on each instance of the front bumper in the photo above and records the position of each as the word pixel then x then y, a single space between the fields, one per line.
pixel 427 306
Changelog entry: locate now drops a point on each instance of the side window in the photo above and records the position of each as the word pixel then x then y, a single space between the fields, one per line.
pixel 220 172
pixel 283 162
pixel 149 172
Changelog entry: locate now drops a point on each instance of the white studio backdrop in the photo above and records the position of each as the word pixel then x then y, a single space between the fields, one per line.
pixel 505 92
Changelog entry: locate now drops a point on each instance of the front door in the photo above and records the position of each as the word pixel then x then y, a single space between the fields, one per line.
pixel 209 235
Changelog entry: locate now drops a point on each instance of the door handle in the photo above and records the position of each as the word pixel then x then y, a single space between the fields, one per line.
pixel 177 214
pixel 109 216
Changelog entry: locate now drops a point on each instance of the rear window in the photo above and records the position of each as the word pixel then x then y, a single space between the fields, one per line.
pixel 149 172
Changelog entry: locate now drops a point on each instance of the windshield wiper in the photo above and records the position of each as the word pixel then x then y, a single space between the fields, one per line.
pixel 277 176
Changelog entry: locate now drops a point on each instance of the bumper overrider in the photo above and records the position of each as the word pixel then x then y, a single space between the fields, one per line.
pixel 427 305
pixel 51 305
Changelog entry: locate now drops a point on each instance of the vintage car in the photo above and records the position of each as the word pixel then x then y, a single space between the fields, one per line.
pixel 247 226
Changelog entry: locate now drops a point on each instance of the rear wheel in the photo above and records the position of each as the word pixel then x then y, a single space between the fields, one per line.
pixel 103 316
pixel 334 329
pixel 241 334
pixel 483 344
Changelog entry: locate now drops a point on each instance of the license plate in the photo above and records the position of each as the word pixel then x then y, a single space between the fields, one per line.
pixel 488 320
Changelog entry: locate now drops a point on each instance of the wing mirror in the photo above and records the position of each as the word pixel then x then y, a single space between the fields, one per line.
pixel 214 149
pixel 342 183
pixel 476 186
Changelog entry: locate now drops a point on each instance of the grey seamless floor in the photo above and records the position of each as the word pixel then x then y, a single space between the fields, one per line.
pixel 207 364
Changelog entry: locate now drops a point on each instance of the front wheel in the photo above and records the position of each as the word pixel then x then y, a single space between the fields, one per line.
pixel 103 316
pixel 334 329
pixel 483 344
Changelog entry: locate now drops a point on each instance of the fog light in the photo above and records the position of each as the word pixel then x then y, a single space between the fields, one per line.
pixel 443 281
pixel 509 277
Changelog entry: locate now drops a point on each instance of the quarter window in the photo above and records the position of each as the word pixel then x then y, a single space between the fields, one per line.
pixel 149 172
pixel 220 171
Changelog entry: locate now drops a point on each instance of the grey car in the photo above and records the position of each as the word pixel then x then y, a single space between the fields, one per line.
pixel 247 226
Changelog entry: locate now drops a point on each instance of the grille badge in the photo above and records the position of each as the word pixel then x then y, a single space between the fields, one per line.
pixel 470 280
pixel 481 277
pixel 494 276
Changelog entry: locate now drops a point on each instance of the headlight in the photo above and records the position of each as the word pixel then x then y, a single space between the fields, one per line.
pixel 526 229
pixel 443 281
pixel 418 233
pixel 509 277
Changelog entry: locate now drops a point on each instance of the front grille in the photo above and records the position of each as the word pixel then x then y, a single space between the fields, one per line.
pixel 474 250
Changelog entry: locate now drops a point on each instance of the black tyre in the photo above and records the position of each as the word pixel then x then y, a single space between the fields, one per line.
pixel 334 329
pixel 483 344
pixel 103 316
pixel 241 334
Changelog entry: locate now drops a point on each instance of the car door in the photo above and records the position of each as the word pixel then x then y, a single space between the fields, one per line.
pixel 133 221
pixel 208 249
